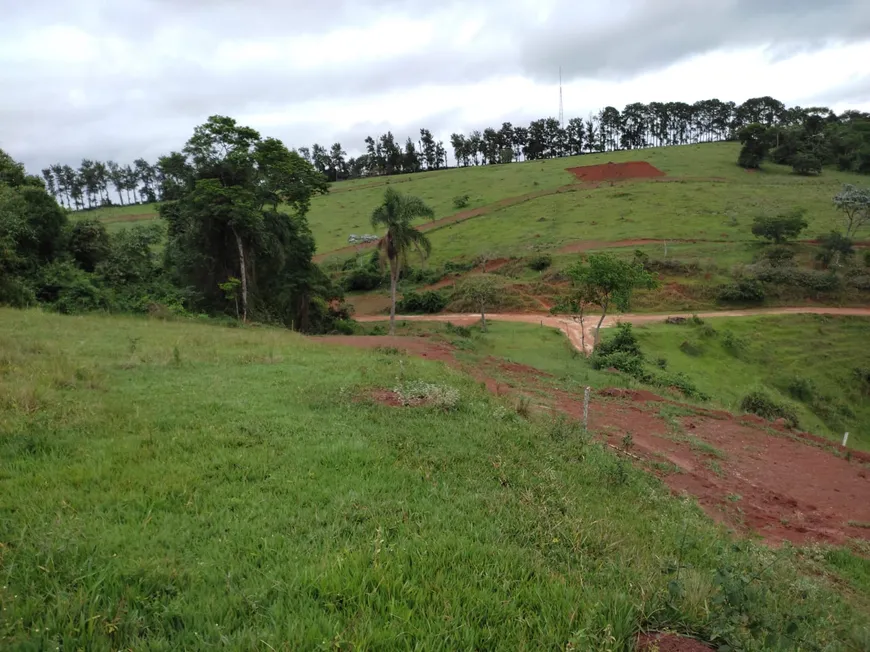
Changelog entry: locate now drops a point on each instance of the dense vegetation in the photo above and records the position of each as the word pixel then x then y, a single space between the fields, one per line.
pixel 236 240
pixel 173 485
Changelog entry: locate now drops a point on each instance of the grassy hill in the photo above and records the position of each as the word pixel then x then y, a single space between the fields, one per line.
pixel 182 485
pixel 712 199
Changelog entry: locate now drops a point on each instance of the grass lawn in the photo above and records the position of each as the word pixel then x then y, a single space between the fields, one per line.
pixel 119 217
pixel 186 486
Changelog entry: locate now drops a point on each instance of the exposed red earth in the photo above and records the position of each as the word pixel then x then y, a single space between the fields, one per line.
pixel 750 474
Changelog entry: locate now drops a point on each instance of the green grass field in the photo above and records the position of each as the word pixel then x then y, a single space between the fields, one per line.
pixel 822 351
pixel 119 217
pixel 183 485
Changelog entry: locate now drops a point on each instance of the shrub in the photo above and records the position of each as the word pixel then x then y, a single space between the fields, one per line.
pixel 708 331
pixel 344 326
pixel 691 347
pixel 620 360
pixel 862 375
pixel 363 279
pixel 461 331
pixel 867 258
pixel 681 382
pixel 661 363
pixel 782 227
pixel 744 290
pixel 461 201
pixel 764 405
pixel 778 255
pixel 801 389
pixel 809 279
pixel 625 341
pixel 451 267
pixel 834 247
pixel 428 302
pixel 70 290
pixel 733 343
pixel 88 244
pixel 806 163
pixel 540 262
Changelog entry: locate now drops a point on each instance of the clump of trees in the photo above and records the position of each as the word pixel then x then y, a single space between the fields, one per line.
pixel 807 140
pixel 229 249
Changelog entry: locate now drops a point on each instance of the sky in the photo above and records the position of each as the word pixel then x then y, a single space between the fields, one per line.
pixel 122 80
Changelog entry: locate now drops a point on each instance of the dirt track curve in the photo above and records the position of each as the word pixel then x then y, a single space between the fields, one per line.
pixel 747 473
pixel 572 329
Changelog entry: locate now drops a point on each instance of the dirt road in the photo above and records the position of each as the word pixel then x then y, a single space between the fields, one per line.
pixel 582 339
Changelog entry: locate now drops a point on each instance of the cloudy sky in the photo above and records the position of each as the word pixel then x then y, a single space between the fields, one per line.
pixel 128 78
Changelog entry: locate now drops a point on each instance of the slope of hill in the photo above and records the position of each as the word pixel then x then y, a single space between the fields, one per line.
pixel 181 485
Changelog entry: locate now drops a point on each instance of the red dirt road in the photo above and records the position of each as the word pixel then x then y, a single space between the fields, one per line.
pixel 582 340
pixel 749 474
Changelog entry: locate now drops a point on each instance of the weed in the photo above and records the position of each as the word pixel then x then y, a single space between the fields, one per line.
pixel 523 407
pixel 691 347
pixel 418 392
pixel 760 402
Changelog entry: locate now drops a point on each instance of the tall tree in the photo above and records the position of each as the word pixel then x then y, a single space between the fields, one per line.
pixel 396 214
pixel 226 223
pixel 118 179
pixel 49 182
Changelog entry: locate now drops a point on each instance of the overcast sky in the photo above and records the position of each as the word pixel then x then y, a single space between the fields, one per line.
pixel 106 79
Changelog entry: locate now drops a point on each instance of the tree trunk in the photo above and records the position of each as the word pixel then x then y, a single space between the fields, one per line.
pixel 243 273
pixel 483 316
pixel 598 328
pixel 393 279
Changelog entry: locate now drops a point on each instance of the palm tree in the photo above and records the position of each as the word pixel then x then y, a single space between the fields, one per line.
pixel 396 213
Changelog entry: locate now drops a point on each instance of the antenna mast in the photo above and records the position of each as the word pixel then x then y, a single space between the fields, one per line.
pixel 561 105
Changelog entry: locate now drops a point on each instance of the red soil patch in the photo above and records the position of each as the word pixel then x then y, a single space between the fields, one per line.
pixel 616 171
pixel 418 346
pixel 385 397
pixel 669 643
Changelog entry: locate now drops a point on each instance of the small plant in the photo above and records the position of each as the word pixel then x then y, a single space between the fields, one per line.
pixel 540 262
pixel 764 405
pixel 627 442
pixel 733 343
pixel 428 302
pixel 691 347
pixel 524 407
pixel 461 331
pixel 176 356
pixel 801 389
pixel 133 344
pixel 461 201
pixel 661 363
pixel 697 321
pixel 708 331
pixel 387 350
pixel 418 392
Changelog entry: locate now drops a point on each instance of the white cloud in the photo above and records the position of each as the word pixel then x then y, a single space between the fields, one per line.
pixel 123 80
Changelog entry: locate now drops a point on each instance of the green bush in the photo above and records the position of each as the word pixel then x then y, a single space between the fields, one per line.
pixel 760 402
pixel 624 341
pixel 362 279
pixel 344 327
pixel 867 258
pixel 461 201
pixel 461 331
pixel 691 347
pixel 624 361
pixel 744 290
pixel 428 302
pixel 777 255
pixel 70 290
pixel 89 244
pixel 452 267
pixel 540 262
pixel 733 343
pixel 801 389
pixel 780 228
